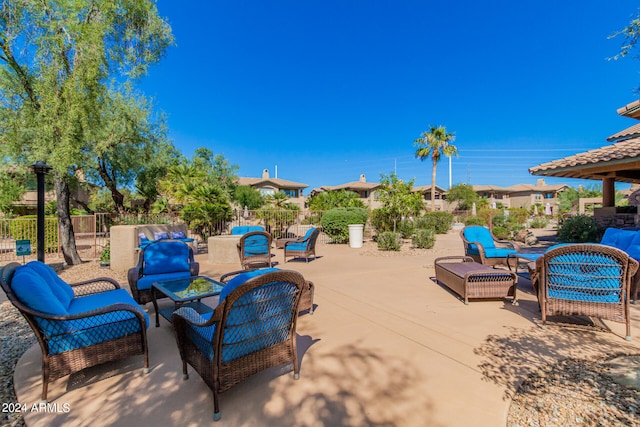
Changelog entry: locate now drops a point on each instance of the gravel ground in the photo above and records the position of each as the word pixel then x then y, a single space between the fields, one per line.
pixel 570 393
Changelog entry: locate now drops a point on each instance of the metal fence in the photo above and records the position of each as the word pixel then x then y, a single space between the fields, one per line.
pixel 91 233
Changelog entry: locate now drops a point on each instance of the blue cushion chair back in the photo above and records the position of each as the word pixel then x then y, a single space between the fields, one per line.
pixel 477 233
pixel 167 256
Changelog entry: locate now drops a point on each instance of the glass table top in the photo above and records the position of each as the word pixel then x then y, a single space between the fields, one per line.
pixel 189 288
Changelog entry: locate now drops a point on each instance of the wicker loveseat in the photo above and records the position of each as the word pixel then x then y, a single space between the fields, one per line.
pixel 78 325
pixel 586 280
pixel 252 328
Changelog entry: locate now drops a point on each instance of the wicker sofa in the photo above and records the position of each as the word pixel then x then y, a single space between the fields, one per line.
pixel 78 325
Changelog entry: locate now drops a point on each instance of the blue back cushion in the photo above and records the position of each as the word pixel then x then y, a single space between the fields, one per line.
pixel 34 291
pixel 240 279
pixel 59 287
pixel 159 235
pixel 178 235
pixel 617 238
pixel 308 233
pixel 633 250
pixel 256 245
pixel 166 257
pixel 244 229
pixel 477 233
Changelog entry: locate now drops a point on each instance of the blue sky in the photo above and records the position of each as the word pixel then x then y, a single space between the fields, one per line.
pixel 327 90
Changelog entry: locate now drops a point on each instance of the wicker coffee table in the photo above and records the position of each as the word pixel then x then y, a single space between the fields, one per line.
pixel 472 280
pixel 187 291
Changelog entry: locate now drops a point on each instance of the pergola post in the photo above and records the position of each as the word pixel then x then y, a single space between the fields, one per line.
pixel 608 192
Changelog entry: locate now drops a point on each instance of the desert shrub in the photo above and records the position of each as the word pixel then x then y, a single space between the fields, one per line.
pixel 335 222
pixel 499 220
pixel 424 238
pixel 474 220
pixel 381 220
pixel 518 216
pixel 389 241
pixel 440 222
pixel 538 223
pixel 406 228
pixel 578 229
pixel 501 233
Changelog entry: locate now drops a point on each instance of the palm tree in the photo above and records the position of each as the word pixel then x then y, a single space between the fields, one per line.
pixel 434 143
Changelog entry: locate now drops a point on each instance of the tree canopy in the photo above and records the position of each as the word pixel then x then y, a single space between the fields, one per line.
pixel 434 143
pixel 57 61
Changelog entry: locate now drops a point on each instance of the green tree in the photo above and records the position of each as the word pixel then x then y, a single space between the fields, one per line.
pixel 398 198
pixel 245 195
pixel 434 143
pixel 208 209
pixel 218 168
pixel 335 199
pixel 12 187
pixel 464 194
pixel 56 59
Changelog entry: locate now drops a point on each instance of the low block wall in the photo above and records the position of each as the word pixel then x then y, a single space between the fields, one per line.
pixel 124 242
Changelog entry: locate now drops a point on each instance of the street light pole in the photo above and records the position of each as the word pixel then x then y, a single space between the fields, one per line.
pixel 40 168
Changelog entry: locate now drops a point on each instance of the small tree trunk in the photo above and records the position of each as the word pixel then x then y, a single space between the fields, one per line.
pixel 433 186
pixel 68 240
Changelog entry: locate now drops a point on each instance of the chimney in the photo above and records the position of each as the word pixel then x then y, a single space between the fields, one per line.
pixel 363 178
pixel 265 174
pixel 540 182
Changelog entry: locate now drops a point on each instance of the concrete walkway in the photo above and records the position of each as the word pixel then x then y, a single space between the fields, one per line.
pixel 387 346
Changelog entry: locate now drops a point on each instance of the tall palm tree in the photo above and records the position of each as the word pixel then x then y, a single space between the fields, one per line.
pixel 434 143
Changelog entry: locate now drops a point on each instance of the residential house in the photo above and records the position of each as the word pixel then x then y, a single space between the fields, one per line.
pixel 366 190
pixel 522 195
pixel 441 203
pixel 268 186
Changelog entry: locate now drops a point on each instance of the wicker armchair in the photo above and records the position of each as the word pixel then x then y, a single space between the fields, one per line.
pixel 254 249
pixel 253 328
pixel 160 260
pixel 79 325
pixel 586 280
pixel 303 247
pixel 481 245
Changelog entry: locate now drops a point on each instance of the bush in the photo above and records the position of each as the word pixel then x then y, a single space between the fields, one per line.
pixel 440 222
pixel 474 220
pixel 389 241
pixel 539 223
pixel 335 222
pixel 406 228
pixel 518 216
pixel 25 228
pixel 424 238
pixel 381 220
pixel 501 233
pixel 578 229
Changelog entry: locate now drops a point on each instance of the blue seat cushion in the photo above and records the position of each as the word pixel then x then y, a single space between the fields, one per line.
pixel 147 280
pixel 60 288
pixel 35 292
pixel 65 335
pixel 498 252
pixel 244 229
pixel 297 246
pixel 166 257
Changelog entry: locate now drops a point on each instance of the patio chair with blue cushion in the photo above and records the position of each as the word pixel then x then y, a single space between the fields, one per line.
pixel 481 245
pixel 252 328
pixel 254 249
pixel 586 280
pixel 159 261
pixel 303 247
pixel 79 325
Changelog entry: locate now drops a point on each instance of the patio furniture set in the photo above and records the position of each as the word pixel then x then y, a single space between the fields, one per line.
pixel 593 280
pixel 252 327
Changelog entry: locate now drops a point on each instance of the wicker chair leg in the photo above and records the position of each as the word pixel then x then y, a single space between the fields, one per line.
pixel 216 407
pixel 45 379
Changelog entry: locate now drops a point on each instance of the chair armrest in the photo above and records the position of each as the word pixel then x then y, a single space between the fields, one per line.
pixel 633 266
pixel 94 286
pixel 136 309
pixel 194 268
pixel 228 276
pixel 133 275
pixel 191 317
pixel 509 243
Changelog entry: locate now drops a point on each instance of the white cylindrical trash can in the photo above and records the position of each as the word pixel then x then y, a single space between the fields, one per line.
pixel 356 232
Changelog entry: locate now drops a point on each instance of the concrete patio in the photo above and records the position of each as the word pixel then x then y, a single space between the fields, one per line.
pixel 387 345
